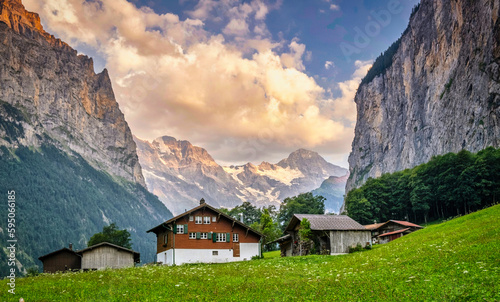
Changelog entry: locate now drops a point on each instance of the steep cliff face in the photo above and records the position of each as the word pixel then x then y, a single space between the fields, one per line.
pixel 61 95
pixel 440 94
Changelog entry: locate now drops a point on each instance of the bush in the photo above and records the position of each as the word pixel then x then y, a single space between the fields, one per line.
pixel 357 248
pixel 32 271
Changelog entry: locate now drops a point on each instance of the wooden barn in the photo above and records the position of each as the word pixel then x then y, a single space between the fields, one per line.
pixel 335 234
pixel 391 230
pixel 108 255
pixel 61 260
pixel 205 234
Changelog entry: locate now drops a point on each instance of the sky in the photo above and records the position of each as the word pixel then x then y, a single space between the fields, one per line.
pixel 249 81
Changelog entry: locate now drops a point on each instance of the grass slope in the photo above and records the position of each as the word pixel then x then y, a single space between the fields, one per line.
pixel 454 261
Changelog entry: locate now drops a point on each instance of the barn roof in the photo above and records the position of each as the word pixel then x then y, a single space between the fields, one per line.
pixel 137 255
pixel 326 222
pixel 64 249
pixel 201 206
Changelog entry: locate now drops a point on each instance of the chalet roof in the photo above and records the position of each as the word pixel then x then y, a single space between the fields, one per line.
pixel 137 255
pixel 201 206
pixel 394 232
pixel 375 226
pixel 407 223
pixel 326 222
pixel 41 258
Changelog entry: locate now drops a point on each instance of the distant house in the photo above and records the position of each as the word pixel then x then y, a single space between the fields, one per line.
pixel 335 234
pixel 61 260
pixel 391 230
pixel 108 255
pixel 99 256
pixel 205 234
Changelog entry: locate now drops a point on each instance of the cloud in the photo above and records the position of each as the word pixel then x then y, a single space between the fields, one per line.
pixel 334 7
pixel 329 64
pixel 343 108
pixel 172 77
pixel 236 27
pixel 294 58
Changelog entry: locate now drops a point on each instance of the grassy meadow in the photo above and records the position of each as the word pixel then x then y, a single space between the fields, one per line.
pixel 458 260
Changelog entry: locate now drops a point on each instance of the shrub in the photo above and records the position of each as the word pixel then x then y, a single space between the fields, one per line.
pixel 357 248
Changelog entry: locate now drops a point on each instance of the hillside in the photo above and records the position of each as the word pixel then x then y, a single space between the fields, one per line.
pixel 61 199
pixel 435 90
pixel 333 189
pixel 453 261
pixel 181 173
pixel 65 147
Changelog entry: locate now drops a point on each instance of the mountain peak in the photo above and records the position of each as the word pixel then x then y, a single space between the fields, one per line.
pixel 13 13
pixel 297 159
pixel 309 162
pixel 23 22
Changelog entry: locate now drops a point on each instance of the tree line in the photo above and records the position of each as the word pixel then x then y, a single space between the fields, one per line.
pixel 448 185
pixel 270 221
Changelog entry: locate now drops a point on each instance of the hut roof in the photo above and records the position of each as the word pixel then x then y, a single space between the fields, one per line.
pixel 327 222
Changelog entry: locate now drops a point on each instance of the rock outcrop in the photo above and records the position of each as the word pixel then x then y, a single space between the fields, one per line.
pixel 61 96
pixel 180 174
pixel 440 94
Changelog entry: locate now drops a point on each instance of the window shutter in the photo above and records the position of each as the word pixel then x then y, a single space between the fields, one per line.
pixel 185 229
pixel 227 237
pixel 175 229
pixel 214 237
pixel 209 235
pixel 198 235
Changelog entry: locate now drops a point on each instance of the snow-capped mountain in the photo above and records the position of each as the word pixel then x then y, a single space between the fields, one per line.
pixel 180 174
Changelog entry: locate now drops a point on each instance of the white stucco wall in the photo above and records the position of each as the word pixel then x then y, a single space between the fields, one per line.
pixel 247 251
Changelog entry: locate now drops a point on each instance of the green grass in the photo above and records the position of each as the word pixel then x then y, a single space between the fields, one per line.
pixel 272 254
pixel 458 260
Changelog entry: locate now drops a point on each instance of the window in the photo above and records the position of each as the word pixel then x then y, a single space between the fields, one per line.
pixel 221 237
pixel 191 218
pixel 235 237
pixel 206 220
pixel 204 236
pixel 180 229
pixel 192 235
pixel 197 220
pixel 165 239
pixel 215 253
pixel 214 219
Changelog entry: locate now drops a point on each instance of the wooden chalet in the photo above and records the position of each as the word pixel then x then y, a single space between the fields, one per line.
pixel 391 230
pixel 205 234
pixel 335 234
pixel 62 260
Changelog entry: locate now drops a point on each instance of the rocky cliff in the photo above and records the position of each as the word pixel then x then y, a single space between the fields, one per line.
pixel 65 148
pixel 180 174
pixel 440 92
pixel 61 95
